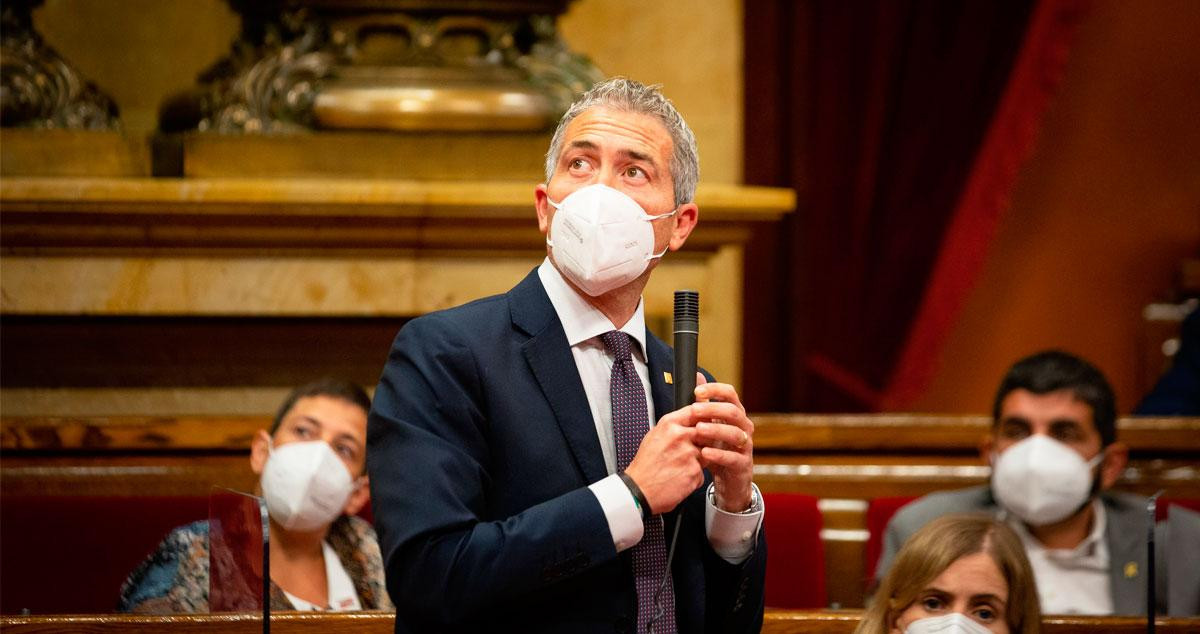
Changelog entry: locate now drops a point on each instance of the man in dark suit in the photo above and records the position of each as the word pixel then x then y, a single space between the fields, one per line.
pixel 1055 458
pixel 527 468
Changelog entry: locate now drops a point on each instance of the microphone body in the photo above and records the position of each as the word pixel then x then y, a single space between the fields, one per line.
pixel 687 331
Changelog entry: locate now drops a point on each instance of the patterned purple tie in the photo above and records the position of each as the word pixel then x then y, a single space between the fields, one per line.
pixel 630 423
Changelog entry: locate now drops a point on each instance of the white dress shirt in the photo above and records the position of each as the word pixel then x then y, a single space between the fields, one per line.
pixel 340 589
pixel 732 535
pixel 1072 580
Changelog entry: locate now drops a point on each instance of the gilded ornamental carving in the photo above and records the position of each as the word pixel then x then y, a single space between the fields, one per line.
pixel 387 65
pixel 40 89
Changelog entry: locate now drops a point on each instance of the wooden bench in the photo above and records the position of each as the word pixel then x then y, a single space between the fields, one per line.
pixel 846 461
pixel 774 622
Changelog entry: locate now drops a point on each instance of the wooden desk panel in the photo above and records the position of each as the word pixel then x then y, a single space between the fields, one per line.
pixel 774 433
pixel 774 622
pixel 940 433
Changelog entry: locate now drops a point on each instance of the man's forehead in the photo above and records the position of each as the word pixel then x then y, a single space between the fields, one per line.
pixel 1057 406
pixel 629 129
pixel 327 411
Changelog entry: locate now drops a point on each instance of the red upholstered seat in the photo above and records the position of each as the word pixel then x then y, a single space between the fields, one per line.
pixel 71 554
pixel 1164 504
pixel 795 555
pixel 62 555
pixel 879 511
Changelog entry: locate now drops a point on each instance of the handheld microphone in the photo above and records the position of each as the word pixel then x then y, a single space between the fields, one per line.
pixel 687 331
pixel 1151 599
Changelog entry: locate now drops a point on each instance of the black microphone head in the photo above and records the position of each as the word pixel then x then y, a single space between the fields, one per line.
pixel 687 310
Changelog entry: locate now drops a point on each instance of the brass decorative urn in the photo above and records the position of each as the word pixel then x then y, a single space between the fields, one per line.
pixel 398 65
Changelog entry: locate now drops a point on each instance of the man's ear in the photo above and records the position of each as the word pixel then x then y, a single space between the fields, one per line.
pixel 541 202
pixel 1116 457
pixel 260 450
pixel 685 222
pixel 359 498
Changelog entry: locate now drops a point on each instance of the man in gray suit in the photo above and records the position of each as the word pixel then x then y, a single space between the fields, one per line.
pixel 1054 459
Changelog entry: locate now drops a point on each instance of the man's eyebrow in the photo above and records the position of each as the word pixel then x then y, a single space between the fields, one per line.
pixel 639 156
pixel 349 437
pixel 583 144
pixel 309 419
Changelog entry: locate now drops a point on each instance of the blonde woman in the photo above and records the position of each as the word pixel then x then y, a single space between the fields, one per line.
pixel 959 573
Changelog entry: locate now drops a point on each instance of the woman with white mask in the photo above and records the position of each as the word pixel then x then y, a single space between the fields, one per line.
pixel 959 574
pixel 311 467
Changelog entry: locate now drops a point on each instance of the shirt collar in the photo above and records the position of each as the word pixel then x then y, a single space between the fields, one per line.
pixel 1092 552
pixel 581 321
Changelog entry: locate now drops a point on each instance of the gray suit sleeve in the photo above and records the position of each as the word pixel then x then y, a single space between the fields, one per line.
pixel 1179 555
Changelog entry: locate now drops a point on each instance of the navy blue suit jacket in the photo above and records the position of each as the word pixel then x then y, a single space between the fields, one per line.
pixel 481 447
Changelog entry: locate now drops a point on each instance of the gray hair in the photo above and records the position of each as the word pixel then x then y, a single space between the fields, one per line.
pixel 627 95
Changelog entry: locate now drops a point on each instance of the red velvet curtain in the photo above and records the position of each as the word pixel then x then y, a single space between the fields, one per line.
pixel 878 114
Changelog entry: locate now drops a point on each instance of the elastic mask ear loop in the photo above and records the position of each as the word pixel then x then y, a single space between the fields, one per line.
pixel 650 218
pixel 549 242
pixel 655 256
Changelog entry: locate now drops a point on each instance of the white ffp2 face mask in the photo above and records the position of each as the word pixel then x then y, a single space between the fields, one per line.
pixel 1042 480
pixel 953 623
pixel 601 238
pixel 306 485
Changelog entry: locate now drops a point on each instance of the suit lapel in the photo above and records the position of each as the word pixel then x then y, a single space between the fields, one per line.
pixel 1126 536
pixel 660 362
pixel 553 366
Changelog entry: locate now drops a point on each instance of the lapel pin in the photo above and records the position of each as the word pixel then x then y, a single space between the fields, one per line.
pixel 1131 570
pixel 668 379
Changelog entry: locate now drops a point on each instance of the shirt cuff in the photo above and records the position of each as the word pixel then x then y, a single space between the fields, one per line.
pixel 624 518
pixel 733 535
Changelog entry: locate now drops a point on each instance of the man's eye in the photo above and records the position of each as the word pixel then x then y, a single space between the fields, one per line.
pixel 578 164
pixel 1066 435
pixel 303 432
pixel 635 172
pixel 1015 432
pixel 346 451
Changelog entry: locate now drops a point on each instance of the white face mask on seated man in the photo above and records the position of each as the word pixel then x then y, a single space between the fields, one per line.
pixel 1042 480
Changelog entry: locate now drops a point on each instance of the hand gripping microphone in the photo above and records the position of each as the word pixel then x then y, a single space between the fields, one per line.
pixel 687 330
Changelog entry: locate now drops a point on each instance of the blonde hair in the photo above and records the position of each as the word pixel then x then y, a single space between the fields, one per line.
pixel 942 542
